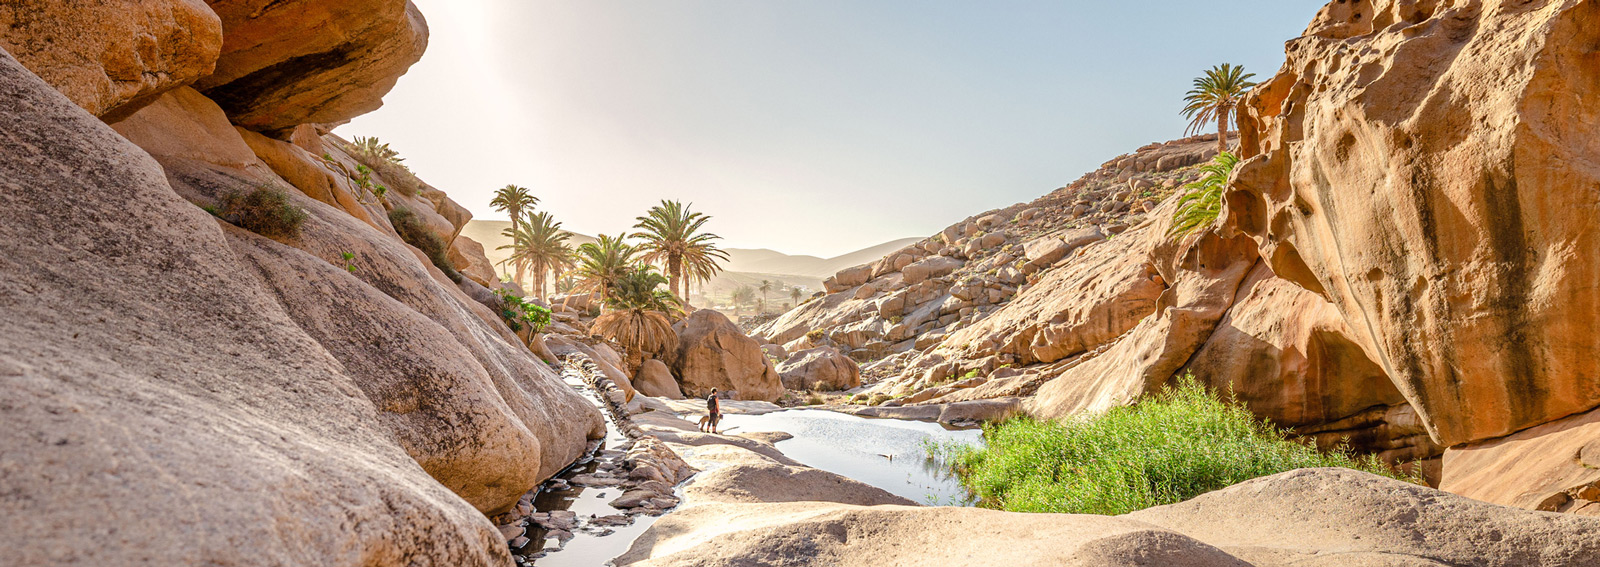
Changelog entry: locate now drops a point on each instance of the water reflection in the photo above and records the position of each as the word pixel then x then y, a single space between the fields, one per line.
pixel 887 453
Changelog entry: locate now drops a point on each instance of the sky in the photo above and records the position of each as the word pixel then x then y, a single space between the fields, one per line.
pixel 805 126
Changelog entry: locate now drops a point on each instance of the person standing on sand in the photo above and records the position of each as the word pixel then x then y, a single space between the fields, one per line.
pixel 713 410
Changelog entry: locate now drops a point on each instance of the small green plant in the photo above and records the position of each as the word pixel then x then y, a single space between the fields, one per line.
pixel 349 264
pixel 412 230
pixel 815 334
pixel 518 312
pixel 1176 445
pixel 362 177
pixel 814 399
pixel 264 211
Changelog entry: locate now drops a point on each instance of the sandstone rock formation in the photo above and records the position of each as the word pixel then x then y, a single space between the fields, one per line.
pixel 153 383
pixel 656 380
pixel 1419 164
pixel 713 353
pixel 295 62
pixel 821 368
pixel 112 57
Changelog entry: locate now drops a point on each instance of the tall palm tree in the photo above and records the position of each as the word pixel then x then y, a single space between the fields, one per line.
pixel 795 294
pixel 671 237
pixel 602 263
pixel 512 200
pixel 641 318
pixel 1215 97
pixel 766 286
pixel 539 244
pixel 1202 204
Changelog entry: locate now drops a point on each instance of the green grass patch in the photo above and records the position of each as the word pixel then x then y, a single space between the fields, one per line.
pixel 1176 445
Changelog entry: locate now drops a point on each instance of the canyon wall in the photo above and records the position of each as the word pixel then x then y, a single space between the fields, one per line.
pixel 180 389
pixel 1430 169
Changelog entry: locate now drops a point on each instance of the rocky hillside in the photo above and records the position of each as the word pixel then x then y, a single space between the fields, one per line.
pixel 214 325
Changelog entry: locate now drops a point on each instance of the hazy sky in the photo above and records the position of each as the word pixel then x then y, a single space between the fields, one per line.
pixel 806 126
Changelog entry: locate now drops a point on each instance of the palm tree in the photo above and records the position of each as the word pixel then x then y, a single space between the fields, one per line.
pixel 602 263
pixel 641 318
pixel 1203 203
pixel 512 200
pixel 794 295
pixel 672 238
pixel 766 286
pixel 742 295
pixel 541 245
pixel 1214 98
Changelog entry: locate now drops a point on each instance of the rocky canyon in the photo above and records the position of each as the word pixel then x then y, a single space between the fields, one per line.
pixel 227 338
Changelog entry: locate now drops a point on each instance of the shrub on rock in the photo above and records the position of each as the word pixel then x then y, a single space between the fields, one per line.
pixel 414 232
pixel 264 211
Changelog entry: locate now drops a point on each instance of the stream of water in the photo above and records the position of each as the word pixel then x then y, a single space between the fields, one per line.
pixel 887 453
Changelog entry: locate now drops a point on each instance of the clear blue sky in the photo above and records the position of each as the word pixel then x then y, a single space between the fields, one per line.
pixel 809 127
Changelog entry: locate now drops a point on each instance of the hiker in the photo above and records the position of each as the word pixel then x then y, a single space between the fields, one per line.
pixel 713 412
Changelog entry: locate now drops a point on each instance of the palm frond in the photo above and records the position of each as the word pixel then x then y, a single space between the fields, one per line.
pixel 1202 203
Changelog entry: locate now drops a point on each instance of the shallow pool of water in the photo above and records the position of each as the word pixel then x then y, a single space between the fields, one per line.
pixel 887 453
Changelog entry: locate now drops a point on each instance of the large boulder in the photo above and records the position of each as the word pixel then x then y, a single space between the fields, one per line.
pixel 713 353
pixel 152 382
pixel 929 268
pixel 1305 516
pixel 295 62
pixel 111 57
pixel 655 380
pixel 853 276
pixel 821 368
pixel 1423 166
pixel 467 256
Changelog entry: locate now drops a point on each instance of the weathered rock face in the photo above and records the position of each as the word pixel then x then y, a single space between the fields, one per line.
pixel 713 353
pixel 455 385
pixel 112 57
pixel 1289 356
pixel 1553 467
pixel 656 380
pixel 821 368
pixel 287 63
pixel 1421 164
pixel 1205 270
pixel 183 376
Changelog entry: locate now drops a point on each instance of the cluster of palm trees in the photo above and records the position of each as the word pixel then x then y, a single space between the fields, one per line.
pixel 670 236
pixel 621 274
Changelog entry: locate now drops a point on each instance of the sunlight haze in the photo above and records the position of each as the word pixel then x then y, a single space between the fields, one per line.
pixel 806 127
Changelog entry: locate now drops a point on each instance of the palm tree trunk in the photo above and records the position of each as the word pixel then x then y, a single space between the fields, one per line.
pixel 674 274
pixel 1222 129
